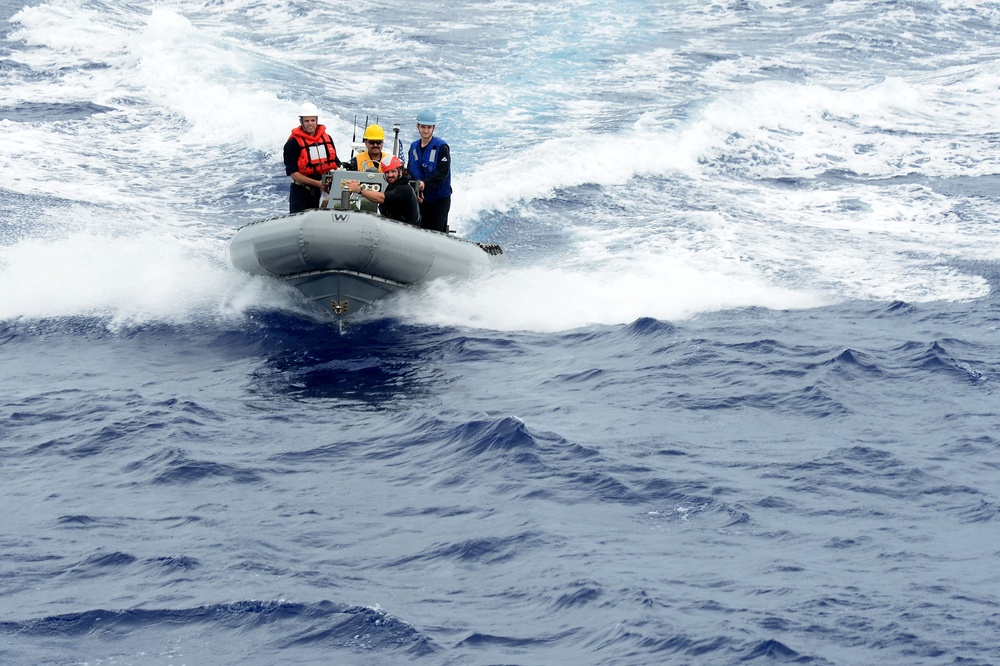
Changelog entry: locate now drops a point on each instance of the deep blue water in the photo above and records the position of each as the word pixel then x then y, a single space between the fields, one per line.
pixel 734 401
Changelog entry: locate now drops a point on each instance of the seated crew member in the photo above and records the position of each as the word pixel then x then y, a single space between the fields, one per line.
pixel 399 201
pixel 308 154
pixel 371 159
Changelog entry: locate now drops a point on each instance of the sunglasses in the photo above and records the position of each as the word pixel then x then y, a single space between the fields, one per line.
pixel 374 143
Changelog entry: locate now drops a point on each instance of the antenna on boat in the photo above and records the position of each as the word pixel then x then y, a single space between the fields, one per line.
pixel 395 140
pixel 354 137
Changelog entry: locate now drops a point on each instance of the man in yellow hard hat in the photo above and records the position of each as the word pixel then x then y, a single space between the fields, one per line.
pixel 371 159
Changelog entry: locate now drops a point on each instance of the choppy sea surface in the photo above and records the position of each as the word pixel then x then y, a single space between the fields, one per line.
pixel 734 400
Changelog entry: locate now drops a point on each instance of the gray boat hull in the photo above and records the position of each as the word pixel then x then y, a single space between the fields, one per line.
pixel 345 260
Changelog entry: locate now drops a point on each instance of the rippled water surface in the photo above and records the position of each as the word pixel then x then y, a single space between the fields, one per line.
pixel 734 400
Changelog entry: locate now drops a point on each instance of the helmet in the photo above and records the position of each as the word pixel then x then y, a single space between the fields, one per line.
pixel 392 163
pixel 374 133
pixel 427 117
pixel 308 109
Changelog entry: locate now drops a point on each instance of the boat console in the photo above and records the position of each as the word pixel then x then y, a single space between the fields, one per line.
pixel 334 182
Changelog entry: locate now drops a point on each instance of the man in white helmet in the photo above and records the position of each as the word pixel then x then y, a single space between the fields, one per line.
pixel 308 154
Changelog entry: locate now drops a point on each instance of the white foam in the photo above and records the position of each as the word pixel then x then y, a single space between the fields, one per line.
pixel 619 291
pixel 143 278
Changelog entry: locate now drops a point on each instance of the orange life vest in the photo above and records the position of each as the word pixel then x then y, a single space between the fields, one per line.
pixel 365 162
pixel 318 154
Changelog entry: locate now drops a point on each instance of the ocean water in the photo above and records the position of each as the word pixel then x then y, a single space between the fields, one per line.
pixel 734 400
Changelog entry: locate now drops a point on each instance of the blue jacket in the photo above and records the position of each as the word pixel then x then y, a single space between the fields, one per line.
pixel 432 165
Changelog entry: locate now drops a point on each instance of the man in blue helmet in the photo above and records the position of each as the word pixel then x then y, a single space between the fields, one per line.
pixel 430 166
